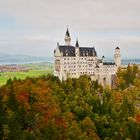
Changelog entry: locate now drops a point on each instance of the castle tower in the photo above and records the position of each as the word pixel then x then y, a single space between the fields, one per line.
pixel 117 57
pixel 67 38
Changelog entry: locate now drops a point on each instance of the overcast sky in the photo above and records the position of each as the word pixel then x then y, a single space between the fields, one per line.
pixel 33 27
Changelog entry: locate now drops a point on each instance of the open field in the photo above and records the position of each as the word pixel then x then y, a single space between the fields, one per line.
pixel 35 71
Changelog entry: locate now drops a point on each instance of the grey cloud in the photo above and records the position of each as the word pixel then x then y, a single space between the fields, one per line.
pixel 92 14
pixel 47 20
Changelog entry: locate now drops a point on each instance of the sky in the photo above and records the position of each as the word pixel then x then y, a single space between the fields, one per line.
pixel 33 27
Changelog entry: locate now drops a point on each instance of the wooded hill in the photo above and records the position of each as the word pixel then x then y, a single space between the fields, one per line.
pixel 44 108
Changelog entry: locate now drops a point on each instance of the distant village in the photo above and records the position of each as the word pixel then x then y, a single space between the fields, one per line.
pixel 13 68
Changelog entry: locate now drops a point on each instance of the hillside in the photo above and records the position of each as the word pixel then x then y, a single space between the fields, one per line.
pixel 76 109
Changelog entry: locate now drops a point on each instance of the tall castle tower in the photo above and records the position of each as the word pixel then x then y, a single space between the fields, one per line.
pixel 67 38
pixel 117 57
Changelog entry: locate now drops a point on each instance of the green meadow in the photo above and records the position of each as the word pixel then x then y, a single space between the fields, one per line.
pixel 36 70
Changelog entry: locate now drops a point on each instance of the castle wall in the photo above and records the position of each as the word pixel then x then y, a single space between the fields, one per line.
pixel 74 67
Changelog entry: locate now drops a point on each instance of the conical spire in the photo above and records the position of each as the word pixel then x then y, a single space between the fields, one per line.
pixel 67 37
pixel 117 48
pixel 77 43
pixel 67 33
pixel 57 43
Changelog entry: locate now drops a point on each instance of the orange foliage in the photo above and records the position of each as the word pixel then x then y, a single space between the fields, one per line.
pixel 23 97
pixel 118 97
pixel 137 117
pixel 59 121
pixel 50 113
pixel 46 113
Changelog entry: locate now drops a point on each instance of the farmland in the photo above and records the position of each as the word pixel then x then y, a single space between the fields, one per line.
pixel 35 70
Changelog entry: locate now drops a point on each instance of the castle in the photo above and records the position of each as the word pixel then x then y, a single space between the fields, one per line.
pixel 74 61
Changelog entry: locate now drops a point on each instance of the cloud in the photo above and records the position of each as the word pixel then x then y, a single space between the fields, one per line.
pixel 41 23
pixel 82 14
pixel 130 39
pixel 38 38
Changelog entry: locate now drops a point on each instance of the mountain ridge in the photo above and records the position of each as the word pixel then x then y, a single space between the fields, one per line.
pixel 22 59
pixel 7 59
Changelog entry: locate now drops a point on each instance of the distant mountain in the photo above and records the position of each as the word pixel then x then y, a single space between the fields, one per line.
pixel 126 61
pixel 6 59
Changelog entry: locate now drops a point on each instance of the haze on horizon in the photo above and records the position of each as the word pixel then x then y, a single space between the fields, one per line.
pixel 33 27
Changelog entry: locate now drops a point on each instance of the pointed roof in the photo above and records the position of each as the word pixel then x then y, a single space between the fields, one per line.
pixel 103 57
pixel 67 33
pixel 117 48
pixel 77 43
pixel 70 51
pixel 96 66
pixel 57 43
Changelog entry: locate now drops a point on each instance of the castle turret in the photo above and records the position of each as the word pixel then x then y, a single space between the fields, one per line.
pixel 67 38
pixel 117 57
pixel 77 43
pixel 77 48
pixel 103 58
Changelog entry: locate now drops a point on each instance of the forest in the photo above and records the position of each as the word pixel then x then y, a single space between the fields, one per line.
pixel 44 108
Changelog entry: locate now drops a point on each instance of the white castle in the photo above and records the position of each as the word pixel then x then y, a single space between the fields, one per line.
pixel 74 61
